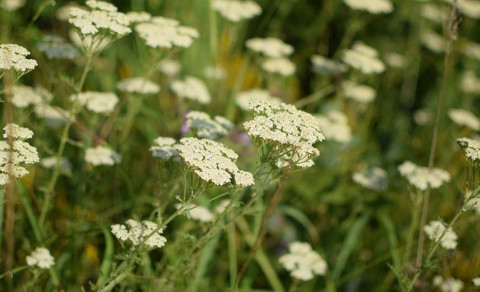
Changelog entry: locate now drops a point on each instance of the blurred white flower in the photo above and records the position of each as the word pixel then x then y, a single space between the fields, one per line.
pixel 196 212
pixel 303 262
pixel 436 230
pixel 98 102
pixel 476 282
pixel 101 155
pixel 222 206
pixel 207 128
pixel 422 117
pixel 434 13
pixel 24 96
pixel 138 85
pixel 165 33
pixel 169 67
pixel 51 162
pixel 465 118
pixel 470 8
pixel 12 5
pixel 470 83
pixel 244 98
pixel 191 88
pixel 215 73
pixel 423 178
pixel 281 66
pixel 373 178
pixel 395 60
pixel 270 47
pixel 136 17
pixel 164 149
pixel 235 10
pixel 360 93
pixel 334 126
pixel 56 47
pixel 433 41
pixel 40 258
pixel 363 58
pixel 213 162
pixel 324 66
pixel 448 285
pixel 371 6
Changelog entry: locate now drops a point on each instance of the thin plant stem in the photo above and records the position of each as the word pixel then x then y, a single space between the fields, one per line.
pixel 451 32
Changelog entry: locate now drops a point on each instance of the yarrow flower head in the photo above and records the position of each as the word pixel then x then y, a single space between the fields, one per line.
pixel 286 129
pixel 363 58
pixel 235 10
pixel 169 67
pixel 324 66
pixel 465 118
pixel 447 285
pixel 98 102
pixel 437 231
pixel 40 258
pixel 303 262
pixel 280 66
pixel 373 178
pixel 51 162
pixel 145 233
pixel 213 162
pixel 244 98
pixel 23 96
pixel 55 47
pixel 433 41
pixel 165 33
pixel 371 6
pixel 270 47
pixel 196 212
pixel 471 148
pixel 207 128
pixel 334 126
pixel 15 153
pixel 193 89
pixel 470 83
pixel 136 17
pixel 423 178
pixel 102 155
pixel 138 85
pixel 12 5
pixel 358 92
pixel 164 148
pixel 14 57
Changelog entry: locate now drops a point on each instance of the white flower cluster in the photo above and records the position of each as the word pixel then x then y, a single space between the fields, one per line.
pixel 395 60
pixel 14 156
pixel 138 232
pixel 12 5
pixel 169 67
pixel 470 83
pixel 434 13
pixel 14 57
pixel 235 10
pixel 360 93
pixel 207 128
pixel 476 282
pixel 436 229
pixel 447 285
pixel 433 41
pixel 196 212
pixel 472 50
pixel 101 155
pixel 471 148
pixel 373 178
pixel 244 98
pixel 270 47
pixel 56 47
pixel 303 262
pixel 363 58
pixel 40 258
pixel 191 88
pixel 284 126
pixel 470 8
pixel 334 126
pixel 136 17
pixel 54 116
pixel 51 162
pixel 101 18
pixel 423 178
pixel 213 162
pixel 465 118
pixel 324 66
pixel 166 33
pixel 98 102
pixel 215 73
pixel 164 149
pixel 24 96
pixel 138 85
pixel 371 6
pixel 280 66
